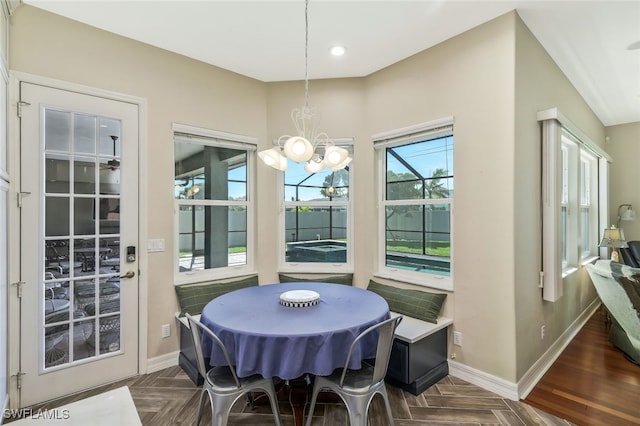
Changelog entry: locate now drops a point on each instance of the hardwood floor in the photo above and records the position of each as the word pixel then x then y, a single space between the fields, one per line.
pixel 591 383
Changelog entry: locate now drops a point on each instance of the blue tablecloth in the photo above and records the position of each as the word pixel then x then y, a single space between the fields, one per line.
pixel 263 337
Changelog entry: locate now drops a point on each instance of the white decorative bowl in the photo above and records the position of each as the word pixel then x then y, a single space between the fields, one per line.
pixel 299 298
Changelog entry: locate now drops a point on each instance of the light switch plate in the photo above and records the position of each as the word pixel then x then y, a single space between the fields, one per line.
pixel 155 245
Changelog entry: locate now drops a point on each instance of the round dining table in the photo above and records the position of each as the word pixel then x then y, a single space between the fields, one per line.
pixel 263 336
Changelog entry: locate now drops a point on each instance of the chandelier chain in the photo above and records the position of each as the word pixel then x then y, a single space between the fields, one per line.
pixel 306 54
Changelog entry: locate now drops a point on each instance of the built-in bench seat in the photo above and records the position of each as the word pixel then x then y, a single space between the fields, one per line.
pixel 419 354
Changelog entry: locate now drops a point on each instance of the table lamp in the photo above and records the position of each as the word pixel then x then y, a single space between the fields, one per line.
pixel 614 238
pixel 626 214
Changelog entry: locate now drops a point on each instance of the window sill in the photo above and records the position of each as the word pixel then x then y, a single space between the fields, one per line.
pixel 570 270
pixel 207 275
pixel 589 260
pixel 437 282
pixel 316 268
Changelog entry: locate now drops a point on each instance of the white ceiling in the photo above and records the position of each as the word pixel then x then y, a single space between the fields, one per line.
pixel 262 39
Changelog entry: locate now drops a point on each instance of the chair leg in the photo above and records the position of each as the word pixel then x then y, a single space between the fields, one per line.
pixel 312 404
pixel 273 400
pixel 357 412
pixel 201 406
pixel 220 408
pixel 385 397
pixel 250 399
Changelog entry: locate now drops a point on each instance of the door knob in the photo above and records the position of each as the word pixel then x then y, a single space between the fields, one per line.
pixel 129 274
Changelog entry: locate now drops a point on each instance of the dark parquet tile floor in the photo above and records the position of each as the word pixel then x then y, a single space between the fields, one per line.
pixel 168 397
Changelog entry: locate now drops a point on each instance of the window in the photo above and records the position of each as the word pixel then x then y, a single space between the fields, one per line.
pixel 564 201
pixel 416 196
pixel 574 200
pixel 213 204
pixel 317 218
pixel 588 205
pixel 579 197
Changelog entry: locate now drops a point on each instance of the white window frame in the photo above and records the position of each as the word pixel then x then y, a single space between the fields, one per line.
pixel 234 141
pixel 317 267
pixel 589 202
pixel 559 135
pixel 403 136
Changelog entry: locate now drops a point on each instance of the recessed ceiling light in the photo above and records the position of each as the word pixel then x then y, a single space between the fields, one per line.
pixel 337 50
pixel 634 46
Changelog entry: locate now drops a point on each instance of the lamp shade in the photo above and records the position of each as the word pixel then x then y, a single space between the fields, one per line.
pixel 298 149
pixel 334 155
pixel 628 214
pixel 314 166
pixel 273 158
pixel 613 237
pixel 342 165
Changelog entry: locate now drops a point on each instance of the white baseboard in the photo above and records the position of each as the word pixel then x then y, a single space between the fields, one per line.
pixel 486 381
pixel 520 390
pixel 163 361
pixel 537 370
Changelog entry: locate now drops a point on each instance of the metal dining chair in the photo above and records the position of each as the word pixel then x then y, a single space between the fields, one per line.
pixel 222 384
pixel 358 387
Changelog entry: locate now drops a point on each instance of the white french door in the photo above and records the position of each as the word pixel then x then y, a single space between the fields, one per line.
pixel 79 238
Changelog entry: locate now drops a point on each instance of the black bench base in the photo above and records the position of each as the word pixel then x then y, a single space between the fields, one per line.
pixel 187 359
pixel 424 382
pixel 417 366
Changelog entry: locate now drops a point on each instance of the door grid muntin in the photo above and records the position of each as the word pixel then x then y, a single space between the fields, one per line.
pixel 80 254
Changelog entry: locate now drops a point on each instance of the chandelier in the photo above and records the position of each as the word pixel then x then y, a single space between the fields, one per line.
pixel 309 145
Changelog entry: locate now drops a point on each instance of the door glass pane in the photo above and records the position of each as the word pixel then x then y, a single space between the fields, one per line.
pixel 82 332
pixel 81 285
pixel 84 133
pixel 57 261
pixel 84 175
pixel 109 141
pixel 57 173
pixel 109 177
pixel 56 216
pixel 57 130
pixel 83 223
pixel 109 211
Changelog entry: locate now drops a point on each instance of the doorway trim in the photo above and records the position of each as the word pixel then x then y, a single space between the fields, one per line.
pixel 13 246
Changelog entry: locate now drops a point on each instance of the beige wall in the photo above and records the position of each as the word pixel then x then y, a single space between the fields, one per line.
pixel 492 79
pixel 540 85
pixel 623 144
pixel 177 89
pixel 469 77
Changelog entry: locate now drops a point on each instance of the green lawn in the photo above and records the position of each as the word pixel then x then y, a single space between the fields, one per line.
pixel 403 248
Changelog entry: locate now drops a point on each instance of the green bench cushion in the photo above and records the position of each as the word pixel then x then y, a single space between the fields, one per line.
pixel 346 279
pixel 193 297
pixel 413 303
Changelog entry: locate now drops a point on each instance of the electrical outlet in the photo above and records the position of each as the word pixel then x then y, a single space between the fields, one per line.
pixel 543 329
pixel 457 338
pixel 166 330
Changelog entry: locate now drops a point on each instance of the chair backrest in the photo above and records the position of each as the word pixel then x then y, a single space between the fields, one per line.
pixel 615 298
pixel 631 254
pixel 386 330
pixel 198 330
